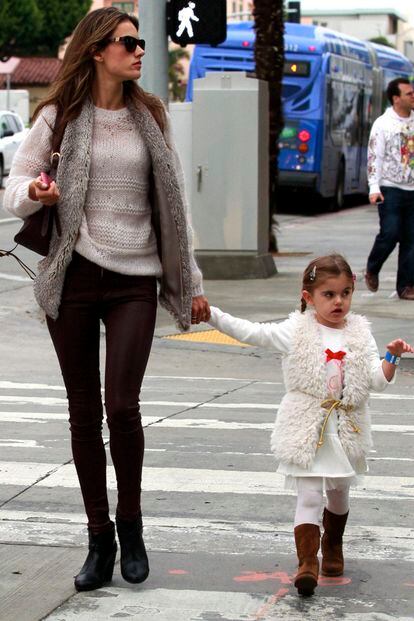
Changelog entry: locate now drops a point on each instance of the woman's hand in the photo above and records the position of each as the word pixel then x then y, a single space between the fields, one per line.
pixel 39 191
pixel 399 347
pixel 200 310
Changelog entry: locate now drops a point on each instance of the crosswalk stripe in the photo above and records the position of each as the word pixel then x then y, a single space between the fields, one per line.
pixel 14 277
pixel 19 443
pixel 182 423
pixel 8 385
pixel 31 417
pixel 147 379
pixel 192 480
pixel 180 605
pixel 188 535
pixel 187 604
pixel 53 401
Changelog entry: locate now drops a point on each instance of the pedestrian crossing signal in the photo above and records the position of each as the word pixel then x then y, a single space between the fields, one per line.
pixel 197 21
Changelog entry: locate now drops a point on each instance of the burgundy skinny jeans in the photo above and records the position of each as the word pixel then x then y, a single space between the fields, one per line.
pixel 127 306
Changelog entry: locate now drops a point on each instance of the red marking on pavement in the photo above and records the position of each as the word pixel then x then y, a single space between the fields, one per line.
pixel 177 572
pixel 284 578
pixel 339 581
pixel 252 576
pixel 409 584
pixel 262 612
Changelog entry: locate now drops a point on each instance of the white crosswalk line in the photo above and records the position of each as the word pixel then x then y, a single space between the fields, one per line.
pixel 195 605
pixel 166 605
pixel 181 423
pixel 192 480
pixel 149 379
pixel 185 535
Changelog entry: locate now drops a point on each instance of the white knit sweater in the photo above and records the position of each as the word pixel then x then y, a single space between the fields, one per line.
pixel 391 152
pixel 116 231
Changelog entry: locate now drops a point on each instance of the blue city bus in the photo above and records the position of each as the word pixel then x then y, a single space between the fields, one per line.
pixel 333 89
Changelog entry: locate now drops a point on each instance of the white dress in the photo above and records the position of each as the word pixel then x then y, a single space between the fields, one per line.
pixel 330 463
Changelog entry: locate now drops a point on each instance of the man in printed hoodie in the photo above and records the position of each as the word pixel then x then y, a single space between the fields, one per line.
pixel 391 186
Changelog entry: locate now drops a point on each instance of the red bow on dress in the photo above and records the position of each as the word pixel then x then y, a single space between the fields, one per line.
pixel 334 355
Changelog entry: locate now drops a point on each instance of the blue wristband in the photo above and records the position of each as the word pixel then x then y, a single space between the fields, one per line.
pixel 392 359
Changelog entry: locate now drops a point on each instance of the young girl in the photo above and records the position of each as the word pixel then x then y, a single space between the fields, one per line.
pixel 322 432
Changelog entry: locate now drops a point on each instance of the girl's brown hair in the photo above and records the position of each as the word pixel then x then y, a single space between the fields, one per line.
pixel 321 269
pixel 74 82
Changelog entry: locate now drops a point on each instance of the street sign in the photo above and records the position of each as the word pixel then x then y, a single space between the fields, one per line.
pixel 197 21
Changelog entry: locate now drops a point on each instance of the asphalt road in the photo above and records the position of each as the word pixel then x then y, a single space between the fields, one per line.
pixel 218 523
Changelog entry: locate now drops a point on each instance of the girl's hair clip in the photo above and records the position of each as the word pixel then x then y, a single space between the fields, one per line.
pixel 312 275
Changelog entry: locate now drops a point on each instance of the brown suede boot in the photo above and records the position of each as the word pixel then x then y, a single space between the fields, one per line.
pixel 332 557
pixel 307 539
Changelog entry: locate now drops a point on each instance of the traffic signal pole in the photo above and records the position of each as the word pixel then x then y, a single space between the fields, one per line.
pixel 153 28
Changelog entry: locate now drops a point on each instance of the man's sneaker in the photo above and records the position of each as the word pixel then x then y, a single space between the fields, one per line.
pixel 371 281
pixel 407 293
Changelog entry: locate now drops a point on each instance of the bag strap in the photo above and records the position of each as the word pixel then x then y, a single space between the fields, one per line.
pixel 57 137
pixel 26 268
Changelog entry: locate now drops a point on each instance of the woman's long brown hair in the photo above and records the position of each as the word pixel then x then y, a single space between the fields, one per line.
pixel 74 82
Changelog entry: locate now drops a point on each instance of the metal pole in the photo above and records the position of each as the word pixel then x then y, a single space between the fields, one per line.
pixel 8 91
pixel 153 28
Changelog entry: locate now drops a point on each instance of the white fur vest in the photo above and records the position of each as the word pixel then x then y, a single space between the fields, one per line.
pixel 169 215
pixel 300 417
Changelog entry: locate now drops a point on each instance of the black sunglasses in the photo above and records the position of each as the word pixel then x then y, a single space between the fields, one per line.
pixel 131 43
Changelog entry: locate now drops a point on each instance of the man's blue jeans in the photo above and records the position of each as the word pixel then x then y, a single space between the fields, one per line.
pixel 396 216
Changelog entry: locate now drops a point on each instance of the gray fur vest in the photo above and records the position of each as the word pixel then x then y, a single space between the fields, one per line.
pixel 169 216
pixel 300 417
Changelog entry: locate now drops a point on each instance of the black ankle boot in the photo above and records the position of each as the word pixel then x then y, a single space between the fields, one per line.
pixel 134 560
pixel 99 565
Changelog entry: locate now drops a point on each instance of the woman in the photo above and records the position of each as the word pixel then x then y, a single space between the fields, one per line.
pixel 121 206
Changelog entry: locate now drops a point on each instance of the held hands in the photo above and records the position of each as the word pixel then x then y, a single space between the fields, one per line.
pixel 46 194
pixel 399 347
pixel 377 197
pixel 200 310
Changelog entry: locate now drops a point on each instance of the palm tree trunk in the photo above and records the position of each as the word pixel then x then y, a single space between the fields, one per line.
pixel 269 57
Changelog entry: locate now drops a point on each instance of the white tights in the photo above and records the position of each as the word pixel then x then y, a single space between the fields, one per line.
pixel 310 500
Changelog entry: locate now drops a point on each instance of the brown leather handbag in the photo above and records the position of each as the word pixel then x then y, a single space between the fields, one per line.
pixel 36 231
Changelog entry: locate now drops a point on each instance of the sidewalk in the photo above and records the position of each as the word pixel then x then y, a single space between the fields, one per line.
pixel 351 233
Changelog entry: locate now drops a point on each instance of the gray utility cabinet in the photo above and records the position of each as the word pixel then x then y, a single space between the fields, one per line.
pixel 229 185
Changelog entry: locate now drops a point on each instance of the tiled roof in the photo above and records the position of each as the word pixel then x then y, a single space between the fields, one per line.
pixel 34 72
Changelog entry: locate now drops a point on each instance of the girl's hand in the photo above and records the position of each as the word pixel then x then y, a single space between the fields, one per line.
pixel 39 191
pixel 200 310
pixel 399 347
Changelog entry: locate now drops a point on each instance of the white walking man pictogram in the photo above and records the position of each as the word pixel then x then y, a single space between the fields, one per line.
pixel 184 17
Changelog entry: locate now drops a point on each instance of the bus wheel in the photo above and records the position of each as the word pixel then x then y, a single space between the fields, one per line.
pixel 338 199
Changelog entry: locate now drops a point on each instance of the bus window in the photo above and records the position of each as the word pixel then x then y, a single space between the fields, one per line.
pixel 345 113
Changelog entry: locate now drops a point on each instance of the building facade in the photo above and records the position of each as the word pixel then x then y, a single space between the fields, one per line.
pixel 236 9
pixel 239 9
pixel 367 24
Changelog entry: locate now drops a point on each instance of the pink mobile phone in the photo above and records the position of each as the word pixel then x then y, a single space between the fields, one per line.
pixel 45 178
